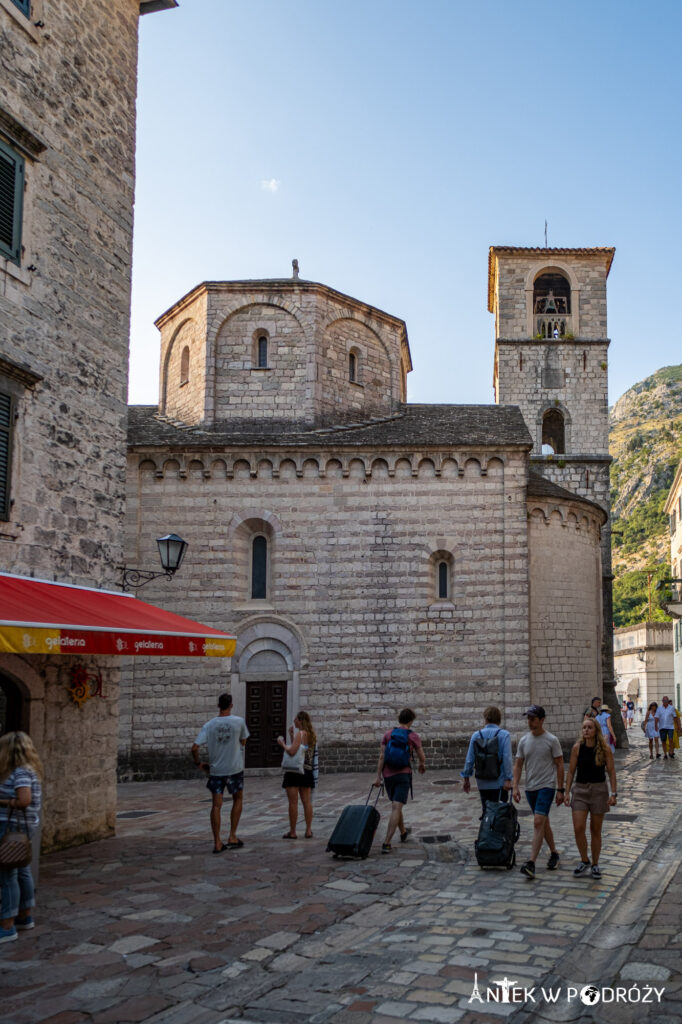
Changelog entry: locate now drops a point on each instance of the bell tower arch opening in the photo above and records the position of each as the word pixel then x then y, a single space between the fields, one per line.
pixel 553 433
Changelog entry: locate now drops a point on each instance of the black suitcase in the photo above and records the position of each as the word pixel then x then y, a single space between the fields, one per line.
pixel 497 834
pixel 354 831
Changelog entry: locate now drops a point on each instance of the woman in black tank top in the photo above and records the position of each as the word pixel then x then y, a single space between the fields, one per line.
pixel 591 759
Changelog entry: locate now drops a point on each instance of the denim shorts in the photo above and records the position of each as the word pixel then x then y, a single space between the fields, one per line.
pixel 540 800
pixel 398 787
pixel 232 783
pixel 666 734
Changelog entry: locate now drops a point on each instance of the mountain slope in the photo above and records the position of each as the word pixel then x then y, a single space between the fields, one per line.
pixel 645 440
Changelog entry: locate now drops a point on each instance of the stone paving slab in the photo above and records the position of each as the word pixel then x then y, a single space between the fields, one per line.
pixel 149 926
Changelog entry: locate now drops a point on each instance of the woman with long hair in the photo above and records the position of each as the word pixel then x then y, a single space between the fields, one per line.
pixel 591 759
pixel 301 735
pixel 20 774
pixel 650 730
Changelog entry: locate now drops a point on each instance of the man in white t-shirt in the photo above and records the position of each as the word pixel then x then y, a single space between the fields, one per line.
pixel 667 723
pixel 225 738
pixel 541 754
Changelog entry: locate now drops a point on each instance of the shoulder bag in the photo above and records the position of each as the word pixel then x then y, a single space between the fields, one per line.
pixel 15 845
pixel 294 762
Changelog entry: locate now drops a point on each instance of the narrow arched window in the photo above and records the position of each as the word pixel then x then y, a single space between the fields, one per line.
pixel 443 580
pixel 262 352
pixel 184 365
pixel 259 567
pixel 553 433
pixel 352 367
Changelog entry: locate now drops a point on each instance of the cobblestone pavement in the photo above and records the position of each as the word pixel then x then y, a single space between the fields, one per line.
pixel 151 926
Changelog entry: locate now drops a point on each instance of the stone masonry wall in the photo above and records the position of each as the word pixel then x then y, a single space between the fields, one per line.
pixel 352 577
pixel 67 319
pixel 69 87
pixel 569 376
pixel 565 611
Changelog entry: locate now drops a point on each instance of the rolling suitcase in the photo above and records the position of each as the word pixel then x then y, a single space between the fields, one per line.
pixel 354 831
pixel 497 834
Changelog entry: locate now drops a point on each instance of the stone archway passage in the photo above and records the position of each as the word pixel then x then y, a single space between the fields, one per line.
pixel 14 706
pixel 266 711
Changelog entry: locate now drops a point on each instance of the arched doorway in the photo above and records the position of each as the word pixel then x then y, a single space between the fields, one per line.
pixel 15 705
pixel 266 680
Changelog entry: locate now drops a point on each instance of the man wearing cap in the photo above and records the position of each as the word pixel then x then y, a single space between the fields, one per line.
pixel 540 751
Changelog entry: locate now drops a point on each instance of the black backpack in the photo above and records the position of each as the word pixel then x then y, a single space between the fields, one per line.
pixel 397 752
pixel 487 760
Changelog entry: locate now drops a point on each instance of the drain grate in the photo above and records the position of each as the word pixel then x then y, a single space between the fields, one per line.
pixel 444 782
pixel 436 839
pixel 135 814
pixel 620 817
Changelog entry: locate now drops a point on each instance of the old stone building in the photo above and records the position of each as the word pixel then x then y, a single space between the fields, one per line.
pixel 67 140
pixel 367 552
pixel 643 656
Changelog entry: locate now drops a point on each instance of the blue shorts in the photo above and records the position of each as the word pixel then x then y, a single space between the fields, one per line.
pixel 398 787
pixel 666 734
pixel 232 783
pixel 540 800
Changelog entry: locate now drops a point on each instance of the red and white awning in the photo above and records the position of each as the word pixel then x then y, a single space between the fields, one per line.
pixel 41 617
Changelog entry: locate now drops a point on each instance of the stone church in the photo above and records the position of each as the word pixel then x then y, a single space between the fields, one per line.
pixel 367 552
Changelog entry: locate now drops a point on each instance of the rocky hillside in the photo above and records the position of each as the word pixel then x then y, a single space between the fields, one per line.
pixel 645 439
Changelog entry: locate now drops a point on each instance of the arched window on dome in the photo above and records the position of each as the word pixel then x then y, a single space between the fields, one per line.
pixel 553 433
pixel 443 581
pixel 262 352
pixel 552 306
pixel 184 366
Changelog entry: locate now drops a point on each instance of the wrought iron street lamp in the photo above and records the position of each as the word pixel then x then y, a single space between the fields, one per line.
pixel 171 552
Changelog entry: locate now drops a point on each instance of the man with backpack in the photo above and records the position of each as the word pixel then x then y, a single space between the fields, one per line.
pixel 489 760
pixel 394 770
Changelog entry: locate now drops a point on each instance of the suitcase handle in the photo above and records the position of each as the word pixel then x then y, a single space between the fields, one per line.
pixel 379 789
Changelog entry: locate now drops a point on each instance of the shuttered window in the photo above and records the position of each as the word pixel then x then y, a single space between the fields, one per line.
pixel 6 420
pixel 11 202
pixel 24 6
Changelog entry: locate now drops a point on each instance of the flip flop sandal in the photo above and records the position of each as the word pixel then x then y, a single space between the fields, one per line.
pixel 288 835
pixel 234 846
pixel 223 847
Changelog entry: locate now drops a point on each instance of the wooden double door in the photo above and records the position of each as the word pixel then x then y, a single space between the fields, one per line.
pixel 266 718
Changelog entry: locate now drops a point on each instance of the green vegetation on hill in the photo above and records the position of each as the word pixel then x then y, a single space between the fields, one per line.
pixel 645 435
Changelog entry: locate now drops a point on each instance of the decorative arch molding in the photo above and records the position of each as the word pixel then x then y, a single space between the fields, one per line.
pixel 166 363
pixel 241 305
pixel 254 634
pixel 365 322
pixel 243 519
pixel 565 515
pixel 305 464
pixel 559 267
pixel 554 406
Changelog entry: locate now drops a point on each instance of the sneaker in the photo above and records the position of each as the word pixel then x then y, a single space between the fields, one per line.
pixel 596 871
pixel 528 869
pixel 582 867
pixel 22 924
pixel 8 934
pixel 553 862
pixel 386 848
pixel 404 835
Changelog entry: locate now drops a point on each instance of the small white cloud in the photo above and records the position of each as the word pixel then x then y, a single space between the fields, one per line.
pixel 270 185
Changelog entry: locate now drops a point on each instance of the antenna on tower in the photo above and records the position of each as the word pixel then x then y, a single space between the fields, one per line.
pixel 545 234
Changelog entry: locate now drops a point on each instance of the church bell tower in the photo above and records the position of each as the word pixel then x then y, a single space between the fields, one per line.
pixel 551 359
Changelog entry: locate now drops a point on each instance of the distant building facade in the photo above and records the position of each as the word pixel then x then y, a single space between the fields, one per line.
pixel 643 657
pixel 370 553
pixel 67 171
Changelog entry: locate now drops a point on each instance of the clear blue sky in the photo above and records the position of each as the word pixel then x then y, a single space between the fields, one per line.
pixel 387 144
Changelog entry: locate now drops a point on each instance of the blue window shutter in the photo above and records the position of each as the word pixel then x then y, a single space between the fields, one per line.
pixel 11 203
pixel 24 6
pixel 6 422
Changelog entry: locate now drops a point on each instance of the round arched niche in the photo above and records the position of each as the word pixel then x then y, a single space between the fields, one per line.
pixel 265 684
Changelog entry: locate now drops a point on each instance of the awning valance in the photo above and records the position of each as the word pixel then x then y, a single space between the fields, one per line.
pixel 41 617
